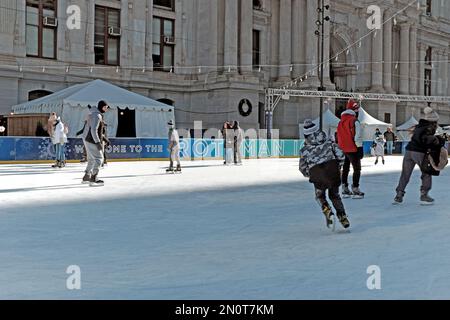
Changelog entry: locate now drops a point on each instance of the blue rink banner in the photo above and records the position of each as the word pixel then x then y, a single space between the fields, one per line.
pixel 36 148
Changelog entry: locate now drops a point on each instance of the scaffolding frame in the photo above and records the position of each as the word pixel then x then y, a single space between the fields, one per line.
pixel 274 96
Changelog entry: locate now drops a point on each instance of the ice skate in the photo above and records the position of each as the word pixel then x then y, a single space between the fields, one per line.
pixel 425 199
pixel 346 193
pixel 357 193
pixel 86 179
pixel 56 164
pixel 343 219
pixel 170 170
pixel 329 217
pixel 376 162
pixel 399 198
pixel 94 182
pixel 178 169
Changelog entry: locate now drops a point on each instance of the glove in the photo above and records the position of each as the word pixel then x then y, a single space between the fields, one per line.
pixel 99 146
pixel 360 152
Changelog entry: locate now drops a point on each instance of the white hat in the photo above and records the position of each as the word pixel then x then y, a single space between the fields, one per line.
pixel 309 127
pixel 430 115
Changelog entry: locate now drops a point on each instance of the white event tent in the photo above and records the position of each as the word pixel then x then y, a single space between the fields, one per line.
pixel 72 105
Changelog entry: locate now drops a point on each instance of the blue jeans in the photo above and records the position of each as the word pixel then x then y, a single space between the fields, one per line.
pixel 60 155
pixel 389 147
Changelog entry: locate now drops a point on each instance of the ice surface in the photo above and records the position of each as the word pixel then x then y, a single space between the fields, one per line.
pixel 216 232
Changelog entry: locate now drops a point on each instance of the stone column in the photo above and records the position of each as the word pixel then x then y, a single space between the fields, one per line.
pixel 377 58
pixel 422 54
pixel 387 53
pixel 444 67
pixel 285 39
pixel 413 60
pixel 246 36
pixel 231 39
pixel 326 46
pixel 311 42
pixel 297 36
pixel 404 58
pixel 149 35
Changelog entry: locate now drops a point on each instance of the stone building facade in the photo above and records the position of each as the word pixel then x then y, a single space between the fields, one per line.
pixel 208 57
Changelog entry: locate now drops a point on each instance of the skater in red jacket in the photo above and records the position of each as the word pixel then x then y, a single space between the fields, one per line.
pixel 350 141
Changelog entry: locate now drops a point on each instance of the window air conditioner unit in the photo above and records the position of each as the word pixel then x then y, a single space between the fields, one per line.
pixel 50 22
pixel 114 31
pixel 169 40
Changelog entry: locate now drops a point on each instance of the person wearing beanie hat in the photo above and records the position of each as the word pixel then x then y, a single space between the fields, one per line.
pixel 174 148
pixel 93 141
pixel 350 141
pixel 423 142
pixel 320 161
pixel 309 127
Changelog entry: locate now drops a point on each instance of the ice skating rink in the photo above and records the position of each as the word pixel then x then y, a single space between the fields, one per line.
pixel 216 232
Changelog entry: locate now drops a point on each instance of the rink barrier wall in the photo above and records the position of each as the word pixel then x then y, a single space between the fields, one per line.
pixel 37 149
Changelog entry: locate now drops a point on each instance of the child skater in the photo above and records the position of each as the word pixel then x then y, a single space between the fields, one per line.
pixel 320 161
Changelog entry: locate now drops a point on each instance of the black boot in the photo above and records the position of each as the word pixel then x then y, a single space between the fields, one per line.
pixel 343 219
pixel 56 165
pixel 86 178
pixel 178 168
pixel 95 182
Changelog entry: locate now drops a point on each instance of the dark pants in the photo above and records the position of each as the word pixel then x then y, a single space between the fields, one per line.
pixel 355 160
pixel 333 194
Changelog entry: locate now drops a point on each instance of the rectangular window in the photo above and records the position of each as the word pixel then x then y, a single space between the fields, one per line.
pixel 387 118
pixel 256 60
pixel 169 4
pixel 428 56
pixel 41 27
pixel 427 82
pixel 429 5
pixel 163 44
pixel 107 36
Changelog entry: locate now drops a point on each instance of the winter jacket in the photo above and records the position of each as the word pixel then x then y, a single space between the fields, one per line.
pixel 92 131
pixel 229 138
pixel 424 138
pixel 349 132
pixel 320 160
pixel 174 138
pixel 379 146
pixel 59 134
pixel 238 136
pixel 389 136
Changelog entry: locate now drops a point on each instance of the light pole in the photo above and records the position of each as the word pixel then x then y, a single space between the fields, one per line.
pixel 320 48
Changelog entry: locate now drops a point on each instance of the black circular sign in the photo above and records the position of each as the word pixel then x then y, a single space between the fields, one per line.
pixel 245 107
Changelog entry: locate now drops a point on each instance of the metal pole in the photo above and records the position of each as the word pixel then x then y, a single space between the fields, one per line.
pixel 322 35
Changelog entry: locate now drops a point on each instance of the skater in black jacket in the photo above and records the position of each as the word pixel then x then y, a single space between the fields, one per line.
pixel 320 161
pixel 423 142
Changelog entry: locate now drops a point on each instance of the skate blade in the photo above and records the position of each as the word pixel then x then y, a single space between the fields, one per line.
pixel 346 196
pixel 426 203
pixel 397 203
pixel 357 197
pixel 96 185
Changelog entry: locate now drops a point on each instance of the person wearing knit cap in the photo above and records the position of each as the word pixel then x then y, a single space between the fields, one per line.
pixel 320 161
pixel 349 138
pixel 423 142
pixel 92 138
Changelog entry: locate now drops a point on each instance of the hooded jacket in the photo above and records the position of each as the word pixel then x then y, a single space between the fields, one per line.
pixel 349 132
pixel 320 160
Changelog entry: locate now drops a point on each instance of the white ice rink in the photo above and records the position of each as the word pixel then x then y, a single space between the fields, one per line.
pixel 215 232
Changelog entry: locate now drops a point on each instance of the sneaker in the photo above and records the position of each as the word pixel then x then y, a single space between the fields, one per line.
pixel 357 193
pixel 346 193
pixel 86 178
pixel 425 199
pixel 399 197
pixel 343 219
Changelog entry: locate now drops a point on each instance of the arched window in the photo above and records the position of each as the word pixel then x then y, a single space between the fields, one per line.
pixel 36 94
pixel 257 4
pixel 166 101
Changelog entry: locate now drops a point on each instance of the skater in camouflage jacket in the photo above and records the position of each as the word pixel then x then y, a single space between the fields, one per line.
pixel 320 161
